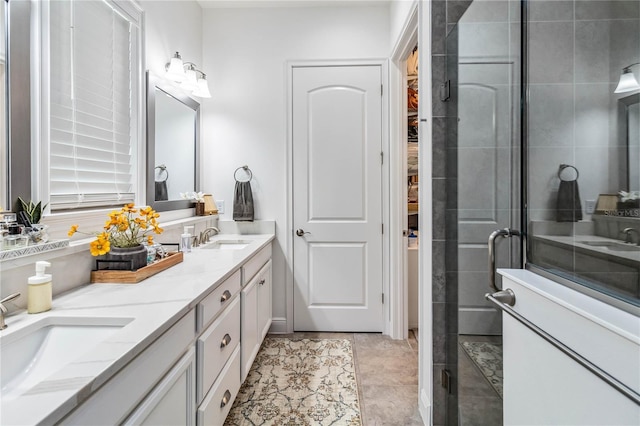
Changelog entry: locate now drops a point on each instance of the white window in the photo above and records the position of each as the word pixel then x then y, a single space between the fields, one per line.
pixel 91 100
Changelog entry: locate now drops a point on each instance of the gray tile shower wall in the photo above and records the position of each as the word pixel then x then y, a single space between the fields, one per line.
pixel 444 215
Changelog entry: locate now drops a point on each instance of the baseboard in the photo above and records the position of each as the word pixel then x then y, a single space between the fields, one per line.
pixel 278 326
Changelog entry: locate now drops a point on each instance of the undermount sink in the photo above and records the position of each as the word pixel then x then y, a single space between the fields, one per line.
pixel 227 245
pixel 30 355
pixel 610 245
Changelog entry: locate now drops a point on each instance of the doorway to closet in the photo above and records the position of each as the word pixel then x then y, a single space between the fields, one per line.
pixel 413 183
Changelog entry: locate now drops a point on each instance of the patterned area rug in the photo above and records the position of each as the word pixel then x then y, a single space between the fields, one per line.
pixel 488 358
pixel 299 382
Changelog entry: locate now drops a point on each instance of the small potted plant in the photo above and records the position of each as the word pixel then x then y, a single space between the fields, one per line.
pixel 33 213
pixel 121 241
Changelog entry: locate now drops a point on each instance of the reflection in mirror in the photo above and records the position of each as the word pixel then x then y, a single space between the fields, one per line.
pixel 583 229
pixel 4 174
pixel 632 114
pixel 172 145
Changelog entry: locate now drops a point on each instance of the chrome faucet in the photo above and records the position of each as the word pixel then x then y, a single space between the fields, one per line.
pixel 3 309
pixel 204 235
pixel 627 232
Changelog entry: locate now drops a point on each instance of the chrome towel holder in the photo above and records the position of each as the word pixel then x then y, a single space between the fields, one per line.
pixel 246 169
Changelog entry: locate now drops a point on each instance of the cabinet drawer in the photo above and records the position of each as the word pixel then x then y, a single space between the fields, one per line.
pixel 218 402
pixel 254 264
pixel 217 300
pixel 216 345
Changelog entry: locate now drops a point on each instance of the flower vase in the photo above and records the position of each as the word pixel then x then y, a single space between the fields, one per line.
pixel 199 209
pixel 126 258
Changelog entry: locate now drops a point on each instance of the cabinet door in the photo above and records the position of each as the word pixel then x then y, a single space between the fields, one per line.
pixel 264 301
pixel 172 401
pixel 249 343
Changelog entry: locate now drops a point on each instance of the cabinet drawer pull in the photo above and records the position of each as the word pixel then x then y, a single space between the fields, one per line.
pixel 262 281
pixel 225 341
pixel 225 398
pixel 225 296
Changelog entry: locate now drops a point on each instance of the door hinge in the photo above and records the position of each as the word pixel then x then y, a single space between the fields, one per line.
pixel 445 91
pixel 382 228
pixel 382 158
pixel 383 298
pixel 445 380
pixel 381 90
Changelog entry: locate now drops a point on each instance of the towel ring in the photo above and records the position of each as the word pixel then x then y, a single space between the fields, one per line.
pixel 163 168
pixel 246 169
pixel 564 166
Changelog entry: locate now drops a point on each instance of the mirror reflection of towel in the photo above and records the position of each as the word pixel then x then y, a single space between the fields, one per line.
pixel 243 202
pixel 161 191
pixel 568 206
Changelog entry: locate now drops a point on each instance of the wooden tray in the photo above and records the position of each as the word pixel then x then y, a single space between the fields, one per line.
pixel 133 277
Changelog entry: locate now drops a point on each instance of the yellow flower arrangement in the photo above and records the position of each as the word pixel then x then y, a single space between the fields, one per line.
pixel 123 229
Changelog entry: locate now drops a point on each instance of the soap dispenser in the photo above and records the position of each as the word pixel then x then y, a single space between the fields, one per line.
pixel 185 240
pixel 39 293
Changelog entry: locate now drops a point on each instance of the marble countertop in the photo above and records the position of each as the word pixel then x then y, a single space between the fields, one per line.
pixel 151 307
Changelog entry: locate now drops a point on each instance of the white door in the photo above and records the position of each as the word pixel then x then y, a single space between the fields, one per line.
pixel 337 198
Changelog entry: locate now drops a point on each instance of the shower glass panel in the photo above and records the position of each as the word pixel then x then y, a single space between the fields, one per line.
pixel 483 158
pixel 582 147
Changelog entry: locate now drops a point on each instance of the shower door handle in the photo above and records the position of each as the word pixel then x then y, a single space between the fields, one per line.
pixel 505 233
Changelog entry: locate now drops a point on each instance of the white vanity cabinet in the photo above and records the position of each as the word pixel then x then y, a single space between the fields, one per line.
pixel 143 387
pixel 192 373
pixel 256 307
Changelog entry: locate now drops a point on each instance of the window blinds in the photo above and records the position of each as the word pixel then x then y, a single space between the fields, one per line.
pixel 90 106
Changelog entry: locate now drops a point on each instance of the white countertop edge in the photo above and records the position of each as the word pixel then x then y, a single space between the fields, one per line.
pixel 610 317
pixel 53 406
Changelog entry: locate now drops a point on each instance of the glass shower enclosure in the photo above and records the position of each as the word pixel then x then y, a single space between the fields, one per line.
pixel 538 139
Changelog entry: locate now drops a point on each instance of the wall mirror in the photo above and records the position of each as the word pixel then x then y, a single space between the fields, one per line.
pixel 4 175
pixel 173 123
pixel 631 116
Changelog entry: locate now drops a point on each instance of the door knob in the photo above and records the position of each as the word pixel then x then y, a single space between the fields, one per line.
pixel 301 232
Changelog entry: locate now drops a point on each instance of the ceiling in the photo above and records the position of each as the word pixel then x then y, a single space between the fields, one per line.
pixel 288 3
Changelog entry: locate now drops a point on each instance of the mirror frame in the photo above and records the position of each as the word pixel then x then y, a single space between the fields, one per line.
pixel 154 83
pixel 626 102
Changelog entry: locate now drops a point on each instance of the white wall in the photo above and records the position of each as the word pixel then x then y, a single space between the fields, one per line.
pixel 399 11
pixel 172 26
pixel 245 121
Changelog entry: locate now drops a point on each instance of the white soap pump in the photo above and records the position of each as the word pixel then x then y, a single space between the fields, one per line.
pixel 185 240
pixel 39 293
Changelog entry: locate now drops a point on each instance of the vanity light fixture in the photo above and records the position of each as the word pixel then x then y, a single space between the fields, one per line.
pixel 203 88
pixel 192 79
pixel 190 83
pixel 628 82
pixel 175 69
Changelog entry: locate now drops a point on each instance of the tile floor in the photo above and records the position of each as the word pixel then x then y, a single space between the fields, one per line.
pixel 478 402
pixel 387 376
